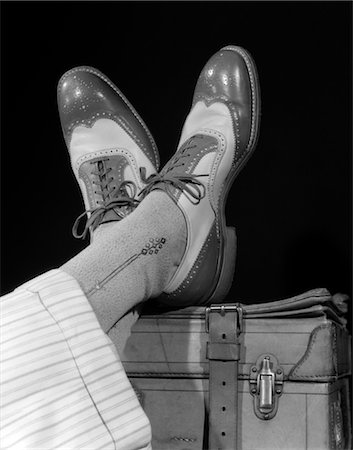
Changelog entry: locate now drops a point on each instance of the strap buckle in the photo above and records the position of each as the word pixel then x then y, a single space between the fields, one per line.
pixel 222 309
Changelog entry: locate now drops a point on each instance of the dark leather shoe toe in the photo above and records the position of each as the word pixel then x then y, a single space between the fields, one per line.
pixel 85 95
pixel 230 77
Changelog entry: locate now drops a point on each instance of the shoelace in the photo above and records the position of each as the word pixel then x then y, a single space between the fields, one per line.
pixel 121 198
pixel 195 193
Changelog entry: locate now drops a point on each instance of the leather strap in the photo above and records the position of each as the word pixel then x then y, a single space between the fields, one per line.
pixel 223 352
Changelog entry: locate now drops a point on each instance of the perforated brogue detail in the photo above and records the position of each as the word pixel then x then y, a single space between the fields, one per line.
pixel 108 143
pixel 91 120
pixel 86 95
pixel 219 81
pixel 226 106
pixel 199 146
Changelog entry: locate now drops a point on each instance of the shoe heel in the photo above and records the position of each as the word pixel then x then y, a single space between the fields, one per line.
pixel 228 267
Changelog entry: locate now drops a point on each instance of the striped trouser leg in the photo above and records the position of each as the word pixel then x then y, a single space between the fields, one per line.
pixel 62 383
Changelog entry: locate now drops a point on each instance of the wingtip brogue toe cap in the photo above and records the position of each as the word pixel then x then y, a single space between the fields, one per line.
pixel 230 77
pixel 83 94
pixel 226 77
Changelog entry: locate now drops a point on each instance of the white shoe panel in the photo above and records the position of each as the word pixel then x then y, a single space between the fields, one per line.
pixel 215 121
pixel 199 219
pixel 105 134
pixel 216 117
pixel 132 175
pixel 206 119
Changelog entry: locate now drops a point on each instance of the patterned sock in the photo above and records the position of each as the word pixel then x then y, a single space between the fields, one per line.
pixel 132 260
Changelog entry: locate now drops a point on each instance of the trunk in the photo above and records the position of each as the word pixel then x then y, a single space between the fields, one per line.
pixel 291 379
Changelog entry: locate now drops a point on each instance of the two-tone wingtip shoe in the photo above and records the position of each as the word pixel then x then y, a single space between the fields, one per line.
pixel 218 137
pixel 108 142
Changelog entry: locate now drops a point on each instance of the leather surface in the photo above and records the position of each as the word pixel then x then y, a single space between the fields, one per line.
pixel 85 95
pixel 197 147
pixel 215 121
pixel 311 416
pixel 201 220
pixel 223 354
pixel 101 126
pixel 314 297
pixel 311 311
pixel 223 79
pixel 176 411
pixel 314 351
pixel 114 164
pixel 175 343
pixel 227 105
pixel 327 354
pixel 198 281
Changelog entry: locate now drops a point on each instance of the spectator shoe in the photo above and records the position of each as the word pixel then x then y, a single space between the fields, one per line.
pixel 108 142
pixel 218 137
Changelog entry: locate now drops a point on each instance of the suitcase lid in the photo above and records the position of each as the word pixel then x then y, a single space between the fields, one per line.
pixel 313 303
pixel 313 300
pixel 306 333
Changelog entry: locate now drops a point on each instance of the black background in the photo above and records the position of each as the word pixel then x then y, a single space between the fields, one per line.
pixel 291 204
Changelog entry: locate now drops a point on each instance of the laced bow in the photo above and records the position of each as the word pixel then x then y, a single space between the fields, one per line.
pixel 194 189
pixel 121 198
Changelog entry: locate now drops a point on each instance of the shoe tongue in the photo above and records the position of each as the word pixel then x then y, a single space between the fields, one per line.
pixel 117 164
pixel 105 175
pixel 200 140
pixel 186 162
pixel 192 151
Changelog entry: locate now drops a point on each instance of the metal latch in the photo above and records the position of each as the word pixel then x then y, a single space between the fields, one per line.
pixel 266 385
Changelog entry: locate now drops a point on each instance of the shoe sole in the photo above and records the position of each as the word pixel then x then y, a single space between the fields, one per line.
pixel 125 100
pixel 226 262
